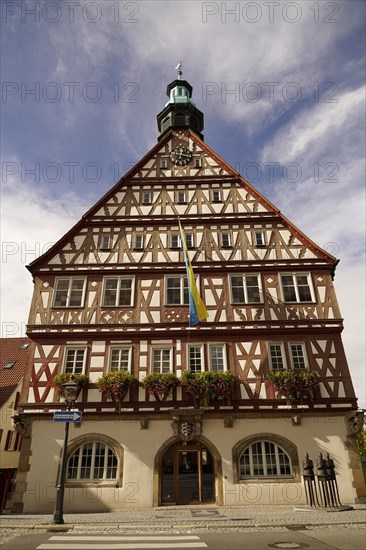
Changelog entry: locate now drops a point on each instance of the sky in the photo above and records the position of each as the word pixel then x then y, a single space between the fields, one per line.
pixel 282 88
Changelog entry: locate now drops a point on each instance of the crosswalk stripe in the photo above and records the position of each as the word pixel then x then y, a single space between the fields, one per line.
pixel 128 546
pixel 124 537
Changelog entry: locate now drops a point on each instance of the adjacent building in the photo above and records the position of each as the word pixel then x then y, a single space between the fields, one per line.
pixel 112 294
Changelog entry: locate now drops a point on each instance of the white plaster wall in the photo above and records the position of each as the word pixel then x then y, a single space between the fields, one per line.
pixel 312 435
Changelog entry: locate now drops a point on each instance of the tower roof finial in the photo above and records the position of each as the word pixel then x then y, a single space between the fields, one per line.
pixel 179 69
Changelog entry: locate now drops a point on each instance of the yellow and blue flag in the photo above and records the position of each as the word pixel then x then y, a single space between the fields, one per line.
pixel 197 309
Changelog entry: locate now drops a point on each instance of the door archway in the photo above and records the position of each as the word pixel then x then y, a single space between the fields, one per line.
pixel 187 473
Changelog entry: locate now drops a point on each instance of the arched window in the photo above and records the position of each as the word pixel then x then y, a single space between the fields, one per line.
pixel 92 461
pixel 267 457
pixel 264 459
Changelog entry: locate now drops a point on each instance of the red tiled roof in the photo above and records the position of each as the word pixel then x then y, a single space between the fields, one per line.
pixel 10 350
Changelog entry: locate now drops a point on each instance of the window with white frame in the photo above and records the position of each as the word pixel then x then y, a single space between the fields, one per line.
pixel 92 461
pixel 69 292
pixel 225 240
pixel 259 238
pixel 181 197
pixel 177 290
pixel 217 357
pixel 118 291
pixel 189 240
pixel 75 360
pixel 139 241
pixel 197 162
pixel 105 241
pixel 246 289
pixel 120 359
pixel 195 358
pixel 161 360
pixel 146 197
pixel 174 240
pixel 216 195
pixel 276 356
pixel 163 163
pixel 298 356
pixel 297 287
pixel 264 459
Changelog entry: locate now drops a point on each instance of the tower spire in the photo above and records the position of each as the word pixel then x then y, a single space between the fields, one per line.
pixel 180 111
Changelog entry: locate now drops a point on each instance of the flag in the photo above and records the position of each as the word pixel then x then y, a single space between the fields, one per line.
pixel 197 309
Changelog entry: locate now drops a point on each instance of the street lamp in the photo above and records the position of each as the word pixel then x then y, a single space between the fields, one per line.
pixel 70 391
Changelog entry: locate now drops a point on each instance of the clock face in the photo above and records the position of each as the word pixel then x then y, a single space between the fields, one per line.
pixel 181 156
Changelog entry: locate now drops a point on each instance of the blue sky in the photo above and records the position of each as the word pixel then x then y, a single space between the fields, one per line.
pixel 282 87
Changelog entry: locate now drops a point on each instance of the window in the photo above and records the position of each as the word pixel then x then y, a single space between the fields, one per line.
pixel 146 197
pixel 75 360
pixel 163 163
pixel 259 238
pixel 264 459
pixel 195 359
pixel 217 357
pixel 197 162
pixel 139 241
pixel 181 197
pixel 161 360
pixel 69 292
pixel 13 441
pixel 177 291
pixel 225 240
pixel 118 291
pixel 216 196
pixel 189 240
pixel 245 289
pixel 105 242
pixel 296 288
pixel 120 359
pixel 174 240
pixel 298 356
pixel 276 356
pixel 9 364
pixel 24 346
pixel 92 461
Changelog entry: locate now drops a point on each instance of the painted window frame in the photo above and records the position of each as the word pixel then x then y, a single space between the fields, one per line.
pixel 69 292
pixel 264 462
pixel 227 235
pixel 175 237
pixel 75 349
pixel 146 197
pixel 201 355
pixel 197 162
pixel 138 241
pixel 304 355
pixel 120 349
pixel 259 243
pixel 161 350
pixel 114 445
pixel 105 241
pixel 181 194
pixel 119 278
pixel 224 356
pixel 244 277
pixel 183 290
pixel 294 276
pixel 283 356
pixel 216 198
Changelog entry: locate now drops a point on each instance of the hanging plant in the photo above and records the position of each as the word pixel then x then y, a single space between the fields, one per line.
pixel 115 384
pixel 294 384
pixel 80 379
pixel 205 387
pixel 160 385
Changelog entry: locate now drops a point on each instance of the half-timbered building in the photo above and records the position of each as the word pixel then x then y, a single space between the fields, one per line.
pixel 112 294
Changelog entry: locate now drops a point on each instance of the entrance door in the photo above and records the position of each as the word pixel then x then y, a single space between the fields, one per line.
pixel 187 475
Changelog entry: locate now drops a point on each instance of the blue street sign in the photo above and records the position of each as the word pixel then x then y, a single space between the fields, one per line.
pixel 67 416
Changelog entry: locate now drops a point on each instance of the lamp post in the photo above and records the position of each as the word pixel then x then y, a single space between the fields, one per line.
pixel 70 391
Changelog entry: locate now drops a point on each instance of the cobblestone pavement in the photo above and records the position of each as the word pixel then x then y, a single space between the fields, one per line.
pixel 187 519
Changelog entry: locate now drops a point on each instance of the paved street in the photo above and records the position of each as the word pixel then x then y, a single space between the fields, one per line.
pixel 216 528
pixel 331 538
